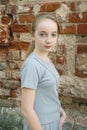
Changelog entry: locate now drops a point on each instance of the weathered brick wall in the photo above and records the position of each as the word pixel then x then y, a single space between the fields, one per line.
pixel 70 57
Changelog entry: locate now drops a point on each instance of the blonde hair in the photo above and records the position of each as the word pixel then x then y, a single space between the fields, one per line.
pixel 39 18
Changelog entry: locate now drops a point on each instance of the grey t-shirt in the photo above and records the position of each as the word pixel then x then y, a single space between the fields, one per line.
pixel 44 78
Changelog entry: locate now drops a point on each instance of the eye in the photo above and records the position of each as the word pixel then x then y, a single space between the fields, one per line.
pixel 42 34
pixel 54 34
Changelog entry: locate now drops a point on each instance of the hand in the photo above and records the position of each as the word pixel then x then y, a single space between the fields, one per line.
pixel 62 119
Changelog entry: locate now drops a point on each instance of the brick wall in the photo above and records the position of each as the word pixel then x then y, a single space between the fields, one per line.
pixel 70 57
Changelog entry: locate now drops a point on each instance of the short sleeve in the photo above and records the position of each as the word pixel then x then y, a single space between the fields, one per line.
pixel 29 76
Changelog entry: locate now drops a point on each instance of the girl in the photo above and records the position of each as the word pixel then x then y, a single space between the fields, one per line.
pixel 40 104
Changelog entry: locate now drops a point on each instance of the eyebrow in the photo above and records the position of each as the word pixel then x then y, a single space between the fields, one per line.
pixel 46 32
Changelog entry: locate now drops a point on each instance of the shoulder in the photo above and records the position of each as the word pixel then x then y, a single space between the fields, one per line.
pixel 32 66
pixel 32 63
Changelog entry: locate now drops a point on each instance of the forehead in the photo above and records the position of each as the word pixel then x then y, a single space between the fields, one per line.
pixel 46 24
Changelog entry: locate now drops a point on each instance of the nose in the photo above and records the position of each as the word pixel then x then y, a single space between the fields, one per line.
pixel 48 40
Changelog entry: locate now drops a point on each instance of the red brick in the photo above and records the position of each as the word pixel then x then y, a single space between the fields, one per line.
pixel 4 34
pixel 13 93
pixel 70 29
pixel 26 18
pixel 82 28
pixel 61 49
pixel 72 6
pixel 3 51
pixel 74 17
pixel 60 60
pixel 60 71
pixel 21 28
pixel 5 19
pixel 49 7
pixel 80 73
pixel 19 45
pixel 84 18
pixel 82 49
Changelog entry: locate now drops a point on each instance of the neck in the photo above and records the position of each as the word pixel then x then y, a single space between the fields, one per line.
pixel 42 55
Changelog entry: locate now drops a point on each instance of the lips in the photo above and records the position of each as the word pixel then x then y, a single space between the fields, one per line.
pixel 47 46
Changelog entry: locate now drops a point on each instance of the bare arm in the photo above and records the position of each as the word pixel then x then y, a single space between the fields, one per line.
pixel 27 102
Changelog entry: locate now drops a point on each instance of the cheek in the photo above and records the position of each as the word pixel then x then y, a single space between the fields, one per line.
pixel 55 41
pixel 41 41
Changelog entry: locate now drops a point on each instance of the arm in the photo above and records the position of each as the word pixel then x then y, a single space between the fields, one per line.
pixel 27 102
pixel 62 118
